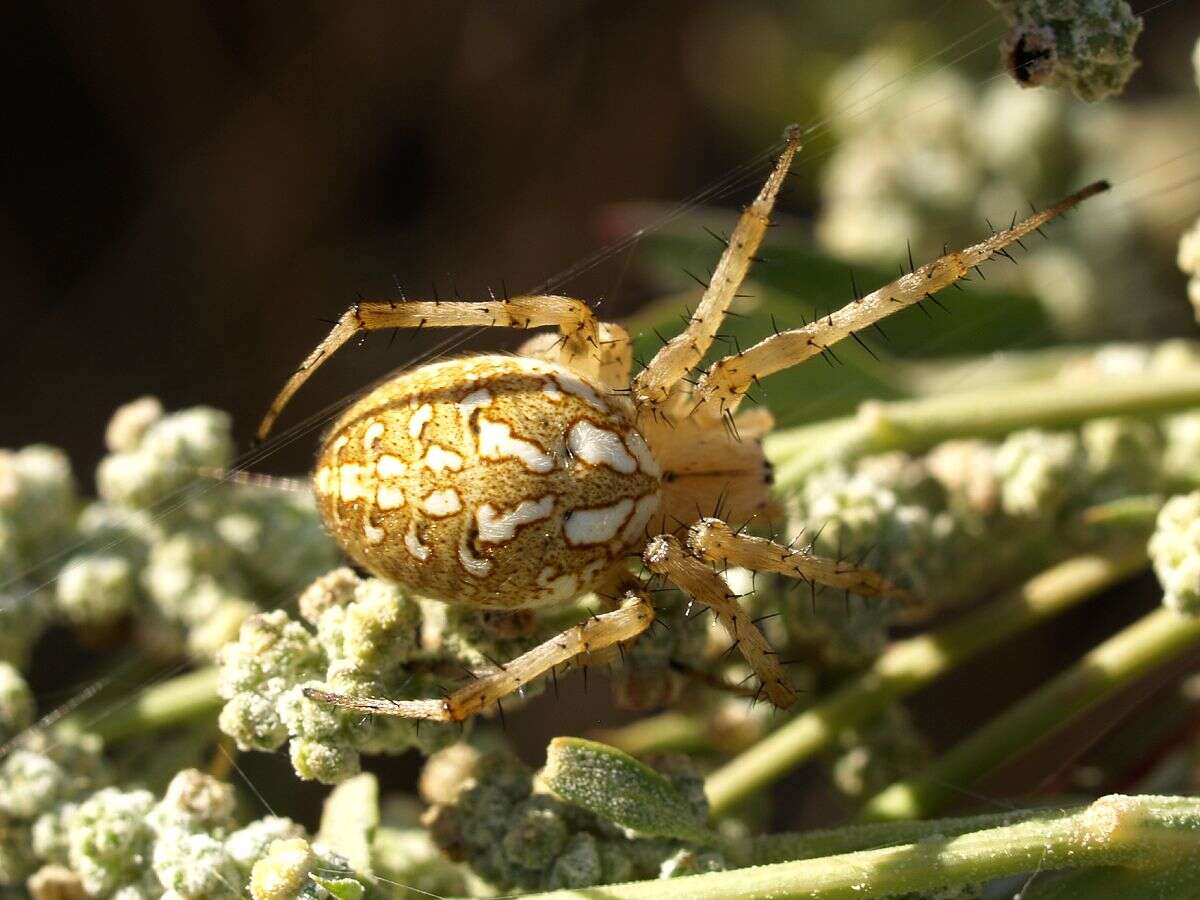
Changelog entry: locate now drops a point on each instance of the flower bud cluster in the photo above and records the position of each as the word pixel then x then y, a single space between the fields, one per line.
pixel 968 517
pixel 359 637
pixel 38 506
pixel 125 844
pixel 939 157
pixel 1175 552
pixel 16 703
pixel 488 811
pixel 41 775
pixel 191 555
pixel 1188 258
pixel 1083 45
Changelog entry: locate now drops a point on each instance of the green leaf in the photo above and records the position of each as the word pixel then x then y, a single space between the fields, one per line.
pixel 616 787
pixel 340 888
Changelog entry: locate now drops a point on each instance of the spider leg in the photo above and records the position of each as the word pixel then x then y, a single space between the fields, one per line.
pixel 572 317
pixel 634 616
pixel 725 383
pixel 665 556
pixel 610 366
pixel 713 541
pixel 654 384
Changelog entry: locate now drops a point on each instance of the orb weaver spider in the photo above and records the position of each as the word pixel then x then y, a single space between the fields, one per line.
pixel 513 482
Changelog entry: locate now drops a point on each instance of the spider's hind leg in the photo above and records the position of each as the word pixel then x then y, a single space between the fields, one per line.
pixel 713 541
pixel 666 556
pixel 634 616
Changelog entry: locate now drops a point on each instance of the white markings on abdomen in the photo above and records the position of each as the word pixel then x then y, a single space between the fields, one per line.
pixel 440 504
pixel 419 419
pixel 473 401
pixel 646 461
pixel 496 527
pixel 598 525
pixel 582 390
pixel 636 526
pixel 496 442
pixel 413 543
pixel 472 563
pixel 600 447
pixel 439 459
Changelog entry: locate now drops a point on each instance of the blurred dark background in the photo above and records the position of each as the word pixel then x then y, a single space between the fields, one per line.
pixel 188 188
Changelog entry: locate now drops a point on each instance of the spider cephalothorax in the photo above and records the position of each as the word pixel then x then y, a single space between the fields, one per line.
pixel 513 482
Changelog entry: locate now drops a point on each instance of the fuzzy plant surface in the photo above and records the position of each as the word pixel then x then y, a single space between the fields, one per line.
pixel 128 844
pixel 1085 46
pixel 167 542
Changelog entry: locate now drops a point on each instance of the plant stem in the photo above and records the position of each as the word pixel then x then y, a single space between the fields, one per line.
pixel 913 663
pixel 677 731
pixel 992 412
pixel 156 706
pixel 1146 832
pixel 1106 669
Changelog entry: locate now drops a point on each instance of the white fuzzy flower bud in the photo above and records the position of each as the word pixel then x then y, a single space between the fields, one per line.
pixel 94 589
pixel 1175 551
pixel 16 703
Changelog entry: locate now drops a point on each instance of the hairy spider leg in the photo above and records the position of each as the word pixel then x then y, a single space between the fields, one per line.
pixel 722 387
pixel 573 318
pixel 634 616
pixel 655 383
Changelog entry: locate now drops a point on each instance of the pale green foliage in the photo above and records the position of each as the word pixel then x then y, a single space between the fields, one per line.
pixel 489 811
pixel 293 869
pixel 38 503
pixel 124 843
pixel 364 642
pixel 1083 45
pixel 1175 551
pixel 39 775
pixel 166 541
pixel 1189 252
pixel 1039 471
pixel 942 155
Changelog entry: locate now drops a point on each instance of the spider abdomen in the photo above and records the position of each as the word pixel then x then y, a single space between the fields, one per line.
pixel 497 481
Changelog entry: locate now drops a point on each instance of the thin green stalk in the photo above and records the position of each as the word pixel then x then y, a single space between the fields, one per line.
pixel 1102 672
pixel 1144 832
pixel 911 664
pixel 157 706
pixel 677 731
pixel 917 425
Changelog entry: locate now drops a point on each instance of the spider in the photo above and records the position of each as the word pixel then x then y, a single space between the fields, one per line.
pixel 516 482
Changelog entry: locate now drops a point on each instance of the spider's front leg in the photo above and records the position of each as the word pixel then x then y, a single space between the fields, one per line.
pixel 722 387
pixel 713 541
pixel 665 555
pixel 578 329
pixel 634 616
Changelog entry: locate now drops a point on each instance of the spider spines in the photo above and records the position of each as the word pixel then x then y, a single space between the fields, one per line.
pixel 724 242
pixel 936 302
pixel 697 279
pixel 861 343
pixel 980 271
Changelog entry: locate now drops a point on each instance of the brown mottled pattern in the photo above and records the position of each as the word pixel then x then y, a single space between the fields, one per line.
pixel 539 402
